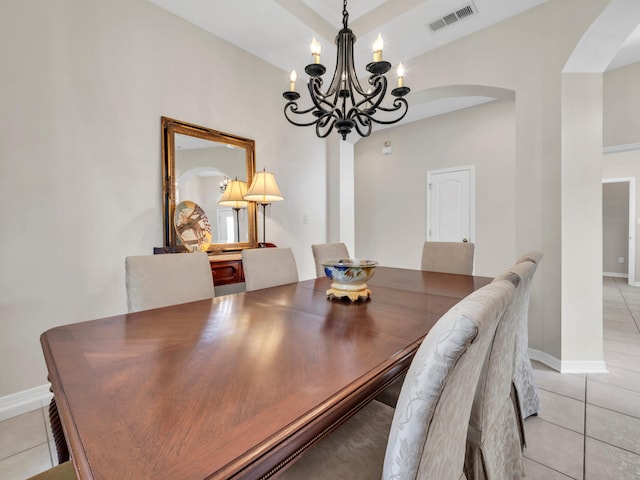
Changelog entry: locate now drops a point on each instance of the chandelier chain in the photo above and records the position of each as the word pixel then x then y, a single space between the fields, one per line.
pixel 345 15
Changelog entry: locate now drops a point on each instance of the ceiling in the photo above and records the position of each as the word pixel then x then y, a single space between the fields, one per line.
pixel 280 31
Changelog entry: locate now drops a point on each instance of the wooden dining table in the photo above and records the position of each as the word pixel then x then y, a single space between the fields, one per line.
pixel 240 385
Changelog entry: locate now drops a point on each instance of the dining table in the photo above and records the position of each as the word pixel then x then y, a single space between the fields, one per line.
pixel 238 386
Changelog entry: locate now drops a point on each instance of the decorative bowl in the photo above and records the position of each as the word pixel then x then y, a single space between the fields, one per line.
pixel 349 277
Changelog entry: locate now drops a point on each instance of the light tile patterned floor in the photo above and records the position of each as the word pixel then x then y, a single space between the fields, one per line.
pixel 588 427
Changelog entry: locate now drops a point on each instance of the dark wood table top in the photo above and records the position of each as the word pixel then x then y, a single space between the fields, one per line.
pixel 236 386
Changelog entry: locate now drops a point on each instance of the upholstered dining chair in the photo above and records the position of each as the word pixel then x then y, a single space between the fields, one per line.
pixel 496 433
pixel 444 257
pixel 448 257
pixel 155 281
pixel 523 373
pixel 268 267
pixel 64 471
pixel 327 251
pixel 424 436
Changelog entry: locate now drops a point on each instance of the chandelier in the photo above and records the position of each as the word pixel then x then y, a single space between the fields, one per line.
pixel 345 105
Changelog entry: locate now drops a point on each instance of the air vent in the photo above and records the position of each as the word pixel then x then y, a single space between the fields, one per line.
pixel 453 17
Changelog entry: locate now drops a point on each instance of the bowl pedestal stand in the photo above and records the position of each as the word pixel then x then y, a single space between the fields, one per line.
pixel 354 291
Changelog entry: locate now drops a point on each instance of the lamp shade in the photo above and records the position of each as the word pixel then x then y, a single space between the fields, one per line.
pixel 264 189
pixel 233 195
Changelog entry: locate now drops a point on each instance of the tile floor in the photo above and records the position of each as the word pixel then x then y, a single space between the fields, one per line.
pixel 588 427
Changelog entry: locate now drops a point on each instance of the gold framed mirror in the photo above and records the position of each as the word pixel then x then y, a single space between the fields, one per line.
pixel 198 164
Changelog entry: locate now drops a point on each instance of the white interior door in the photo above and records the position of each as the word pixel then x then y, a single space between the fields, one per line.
pixel 450 205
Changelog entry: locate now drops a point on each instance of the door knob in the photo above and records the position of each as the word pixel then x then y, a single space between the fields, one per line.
pixel 465 240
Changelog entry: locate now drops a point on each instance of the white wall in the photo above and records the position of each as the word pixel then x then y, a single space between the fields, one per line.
pixel 620 109
pixel 84 85
pixel 391 189
pixel 581 206
pixel 525 54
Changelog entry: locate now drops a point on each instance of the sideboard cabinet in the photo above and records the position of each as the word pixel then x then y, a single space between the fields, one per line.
pixel 226 269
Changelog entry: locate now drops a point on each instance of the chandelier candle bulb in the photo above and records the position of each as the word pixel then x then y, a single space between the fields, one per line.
pixel 292 81
pixel 316 49
pixel 400 76
pixel 377 48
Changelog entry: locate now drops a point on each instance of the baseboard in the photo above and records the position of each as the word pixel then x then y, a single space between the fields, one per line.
pixel 625 147
pixel 25 401
pixel 568 366
pixel 545 358
pixel 584 366
pixel 616 275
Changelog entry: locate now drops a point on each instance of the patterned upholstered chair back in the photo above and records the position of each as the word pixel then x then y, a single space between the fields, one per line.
pixel 495 428
pixel 429 429
pixel 448 257
pixel 268 267
pixel 327 251
pixel 155 281
pixel 523 375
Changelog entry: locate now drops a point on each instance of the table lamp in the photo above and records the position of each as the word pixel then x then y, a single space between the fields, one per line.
pixel 264 190
pixel 233 197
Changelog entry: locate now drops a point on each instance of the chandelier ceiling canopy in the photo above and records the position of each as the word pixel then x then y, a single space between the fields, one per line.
pixel 345 105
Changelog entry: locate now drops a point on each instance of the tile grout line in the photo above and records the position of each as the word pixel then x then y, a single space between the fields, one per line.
pixel 627 305
pixel 550 468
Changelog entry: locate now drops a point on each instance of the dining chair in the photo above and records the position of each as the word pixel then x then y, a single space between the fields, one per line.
pixel 424 436
pixel 448 257
pixel 268 267
pixel 496 433
pixel 64 471
pixel 154 281
pixel 327 251
pixel 444 257
pixel 523 375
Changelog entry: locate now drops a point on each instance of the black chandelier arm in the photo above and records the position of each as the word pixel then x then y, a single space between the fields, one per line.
pixel 319 99
pixel 363 124
pixel 398 103
pixel 292 107
pixel 328 122
pixel 377 95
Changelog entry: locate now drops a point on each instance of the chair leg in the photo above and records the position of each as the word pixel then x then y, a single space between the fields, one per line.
pixel 58 434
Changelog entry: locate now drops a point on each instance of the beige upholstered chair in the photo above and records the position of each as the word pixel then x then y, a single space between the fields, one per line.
pixel 327 251
pixel 64 471
pixel 445 257
pixel 268 267
pixel 155 281
pixel 448 257
pixel 523 374
pixel 495 437
pixel 424 437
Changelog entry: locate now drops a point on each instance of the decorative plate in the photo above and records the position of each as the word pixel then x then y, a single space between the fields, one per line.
pixel 192 226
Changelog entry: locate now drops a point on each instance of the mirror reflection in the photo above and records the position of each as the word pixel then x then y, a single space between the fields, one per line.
pixel 203 169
